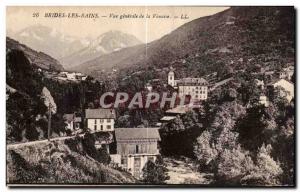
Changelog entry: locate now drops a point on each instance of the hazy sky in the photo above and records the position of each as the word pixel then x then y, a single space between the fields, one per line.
pixel 144 29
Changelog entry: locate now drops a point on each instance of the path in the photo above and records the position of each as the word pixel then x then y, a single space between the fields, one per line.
pixel 16 145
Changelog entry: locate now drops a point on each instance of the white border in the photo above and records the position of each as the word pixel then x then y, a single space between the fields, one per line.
pixel 5 3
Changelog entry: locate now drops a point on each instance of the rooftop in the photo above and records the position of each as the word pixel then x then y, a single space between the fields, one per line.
pixel 69 117
pixel 181 109
pixel 136 133
pixel 100 113
pixel 168 118
pixel 192 81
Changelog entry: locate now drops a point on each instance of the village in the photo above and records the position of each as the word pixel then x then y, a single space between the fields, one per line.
pixel 131 148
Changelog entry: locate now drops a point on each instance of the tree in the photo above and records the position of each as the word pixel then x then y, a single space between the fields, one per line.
pixel 266 171
pixel 204 151
pixel 232 166
pixel 252 128
pixel 155 172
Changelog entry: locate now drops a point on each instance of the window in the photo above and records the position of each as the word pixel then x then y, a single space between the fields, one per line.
pixel 136 149
pixel 101 127
pixel 108 120
pixel 101 120
pixel 108 127
pixel 95 121
pixel 95 127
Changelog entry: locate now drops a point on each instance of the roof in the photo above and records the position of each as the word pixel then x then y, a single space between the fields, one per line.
pixel 192 81
pixel 181 109
pixel 123 134
pixel 100 113
pixel 167 118
pixel 69 117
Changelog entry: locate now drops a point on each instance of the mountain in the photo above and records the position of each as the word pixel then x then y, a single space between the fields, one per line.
pixel 238 37
pixel 36 58
pixel 50 41
pixel 106 43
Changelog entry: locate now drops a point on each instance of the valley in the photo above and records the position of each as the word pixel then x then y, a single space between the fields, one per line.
pixel 233 70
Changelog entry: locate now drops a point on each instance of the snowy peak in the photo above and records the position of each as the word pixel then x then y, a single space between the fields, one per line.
pixel 105 43
pixel 50 41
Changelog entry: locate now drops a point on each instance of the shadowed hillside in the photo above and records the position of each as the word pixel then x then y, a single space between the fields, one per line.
pixel 236 38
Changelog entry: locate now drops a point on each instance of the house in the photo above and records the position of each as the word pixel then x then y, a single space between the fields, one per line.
pixel 72 122
pixel 263 100
pixel 286 73
pixel 136 146
pixel 149 87
pixel 100 120
pixel 259 83
pixel 287 89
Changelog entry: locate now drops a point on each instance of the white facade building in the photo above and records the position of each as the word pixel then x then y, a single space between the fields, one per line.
pixel 100 120
pixel 197 88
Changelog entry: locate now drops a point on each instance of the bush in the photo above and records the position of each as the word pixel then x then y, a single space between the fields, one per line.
pixel 155 173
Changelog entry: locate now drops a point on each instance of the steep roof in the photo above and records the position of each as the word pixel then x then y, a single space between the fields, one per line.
pixel 100 113
pixel 136 133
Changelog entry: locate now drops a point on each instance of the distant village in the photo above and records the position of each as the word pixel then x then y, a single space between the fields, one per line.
pixel 131 148
pixel 63 76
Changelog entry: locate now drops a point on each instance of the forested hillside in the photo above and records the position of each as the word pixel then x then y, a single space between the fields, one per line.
pixel 237 38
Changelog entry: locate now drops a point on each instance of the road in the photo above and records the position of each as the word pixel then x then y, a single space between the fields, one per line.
pixel 16 145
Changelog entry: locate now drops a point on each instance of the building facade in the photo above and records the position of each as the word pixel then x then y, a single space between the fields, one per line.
pixel 136 146
pixel 100 120
pixel 197 88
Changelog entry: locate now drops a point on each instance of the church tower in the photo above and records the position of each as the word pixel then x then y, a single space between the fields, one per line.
pixel 171 78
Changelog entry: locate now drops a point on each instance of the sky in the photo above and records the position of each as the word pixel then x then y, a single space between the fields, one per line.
pixel 145 29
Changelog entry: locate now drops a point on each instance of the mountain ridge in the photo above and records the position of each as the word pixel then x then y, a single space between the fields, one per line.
pixel 39 59
pixel 209 43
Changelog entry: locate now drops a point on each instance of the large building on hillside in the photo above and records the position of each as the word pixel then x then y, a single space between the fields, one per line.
pixel 196 88
pixel 136 146
pixel 100 120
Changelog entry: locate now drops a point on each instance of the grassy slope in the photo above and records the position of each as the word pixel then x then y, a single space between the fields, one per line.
pixel 55 163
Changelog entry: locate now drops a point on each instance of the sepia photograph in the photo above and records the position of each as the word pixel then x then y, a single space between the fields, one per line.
pixel 150 96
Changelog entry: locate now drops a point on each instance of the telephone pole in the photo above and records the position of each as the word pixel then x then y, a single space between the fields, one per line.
pixel 49 122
